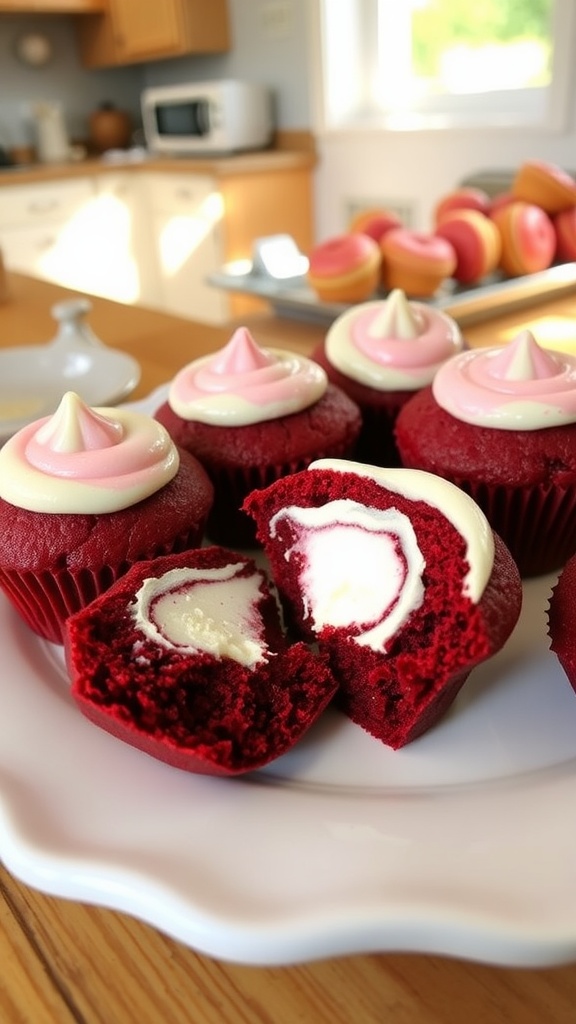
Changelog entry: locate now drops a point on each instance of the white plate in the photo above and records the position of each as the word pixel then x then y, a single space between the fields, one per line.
pixel 462 843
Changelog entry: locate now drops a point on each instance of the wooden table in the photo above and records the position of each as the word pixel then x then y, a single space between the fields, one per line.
pixel 63 962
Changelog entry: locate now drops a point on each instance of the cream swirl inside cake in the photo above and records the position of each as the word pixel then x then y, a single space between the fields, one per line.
pixel 392 344
pixel 86 460
pixel 380 545
pixel 207 610
pixel 518 386
pixel 244 383
pixel 384 579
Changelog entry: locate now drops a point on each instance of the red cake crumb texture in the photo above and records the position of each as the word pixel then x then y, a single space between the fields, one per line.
pixel 218 690
pixel 344 571
pixel 562 620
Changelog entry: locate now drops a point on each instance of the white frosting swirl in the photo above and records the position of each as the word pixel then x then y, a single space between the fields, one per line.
pixel 84 460
pixel 392 344
pixel 245 384
pixel 209 610
pixel 519 386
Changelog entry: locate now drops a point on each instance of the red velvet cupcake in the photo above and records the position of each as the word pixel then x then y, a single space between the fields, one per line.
pixel 562 620
pixel 380 353
pixel 252 415
pixel 501 424
pixel 398 577
pixel 185 658
pixel 84 494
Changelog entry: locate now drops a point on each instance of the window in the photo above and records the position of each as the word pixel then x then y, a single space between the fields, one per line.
pixel 444 63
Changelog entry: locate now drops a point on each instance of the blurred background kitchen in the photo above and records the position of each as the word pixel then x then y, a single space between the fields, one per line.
pixel 357 123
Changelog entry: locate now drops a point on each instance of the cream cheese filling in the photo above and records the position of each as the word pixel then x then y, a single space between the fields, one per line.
pixel 212 611
pixel 362 568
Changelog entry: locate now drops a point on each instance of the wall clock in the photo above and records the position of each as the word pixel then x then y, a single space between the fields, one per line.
pixel 34 49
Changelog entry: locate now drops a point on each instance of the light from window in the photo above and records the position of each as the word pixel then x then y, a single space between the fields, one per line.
pixel 436 63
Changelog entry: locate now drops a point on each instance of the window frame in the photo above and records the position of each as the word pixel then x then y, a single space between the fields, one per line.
pixel 349 101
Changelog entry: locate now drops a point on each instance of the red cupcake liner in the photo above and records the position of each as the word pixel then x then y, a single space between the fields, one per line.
pixel 44 600
pixel 537 524
pixel 376 445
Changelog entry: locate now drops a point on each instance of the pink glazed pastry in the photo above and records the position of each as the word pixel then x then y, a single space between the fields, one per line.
pixel 380 353
pixel 501 424
pixel 250 415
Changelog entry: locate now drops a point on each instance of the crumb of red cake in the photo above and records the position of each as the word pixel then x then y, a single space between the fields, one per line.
pixel 382 578
pixel 186 659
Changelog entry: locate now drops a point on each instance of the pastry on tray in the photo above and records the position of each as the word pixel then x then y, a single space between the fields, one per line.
pixel 345 268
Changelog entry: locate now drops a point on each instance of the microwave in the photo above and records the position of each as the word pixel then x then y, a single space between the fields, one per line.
pixel 225 116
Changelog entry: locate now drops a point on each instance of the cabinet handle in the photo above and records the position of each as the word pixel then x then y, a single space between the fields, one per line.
pixel 43 206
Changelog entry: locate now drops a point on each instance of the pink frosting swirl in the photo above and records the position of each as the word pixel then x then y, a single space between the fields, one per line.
pixel 392 344
pixel 243 383
pixel 519 386
pixel 86 460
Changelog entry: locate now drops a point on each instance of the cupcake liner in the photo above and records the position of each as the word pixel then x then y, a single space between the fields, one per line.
pixel 227 523
pixel 44 600
pixel 376 445
pixel 537 524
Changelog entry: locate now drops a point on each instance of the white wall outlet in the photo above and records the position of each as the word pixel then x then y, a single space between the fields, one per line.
pixel 276 18
pixel 405 209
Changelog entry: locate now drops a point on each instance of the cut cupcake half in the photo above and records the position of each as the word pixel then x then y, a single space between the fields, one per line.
pixel 186 659
pixel 399 578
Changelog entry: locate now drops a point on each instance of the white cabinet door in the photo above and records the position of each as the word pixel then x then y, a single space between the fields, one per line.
pixel 187 213
pixel 134 237
pixel 124 266
pixel 45 230
pixel 34 250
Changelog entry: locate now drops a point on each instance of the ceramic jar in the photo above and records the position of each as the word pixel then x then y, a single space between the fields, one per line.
pixel 109 128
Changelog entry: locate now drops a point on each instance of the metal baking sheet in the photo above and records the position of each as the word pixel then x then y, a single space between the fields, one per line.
pixel 496 296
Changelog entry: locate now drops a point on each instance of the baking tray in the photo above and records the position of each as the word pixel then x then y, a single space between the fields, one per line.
pixel 496 296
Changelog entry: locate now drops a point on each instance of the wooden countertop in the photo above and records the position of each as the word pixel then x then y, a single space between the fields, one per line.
pixel 266 161
pixel 63 962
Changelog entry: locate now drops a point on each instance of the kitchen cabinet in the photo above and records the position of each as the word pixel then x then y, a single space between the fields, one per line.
pixel 186 214
pixel 124 268
pixel 153 233
pixel 52 6
pixel 45 230
pixel 202 221
pixel 262 203
pixel 130 31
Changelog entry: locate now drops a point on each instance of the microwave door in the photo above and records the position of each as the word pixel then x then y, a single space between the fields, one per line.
pixel 186 119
